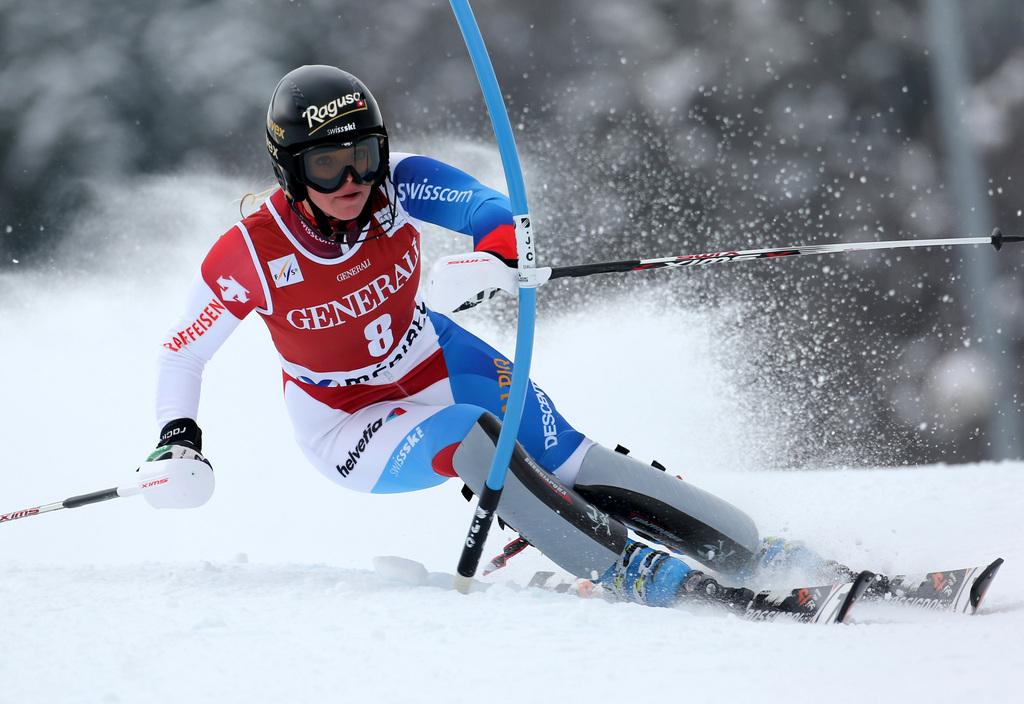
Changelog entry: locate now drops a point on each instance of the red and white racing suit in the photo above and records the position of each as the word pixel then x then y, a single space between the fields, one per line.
pixel 379 388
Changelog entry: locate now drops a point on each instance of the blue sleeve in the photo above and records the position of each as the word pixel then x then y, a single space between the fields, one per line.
pixel 435 192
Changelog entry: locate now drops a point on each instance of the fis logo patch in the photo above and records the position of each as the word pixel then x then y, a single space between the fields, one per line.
pixel 285 271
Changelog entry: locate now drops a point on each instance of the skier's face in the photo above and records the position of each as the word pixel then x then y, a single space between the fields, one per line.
pixel 345 203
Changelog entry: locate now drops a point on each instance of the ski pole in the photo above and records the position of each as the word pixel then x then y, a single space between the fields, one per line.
pixel 94 497
pixel 996 239
pixel 174 482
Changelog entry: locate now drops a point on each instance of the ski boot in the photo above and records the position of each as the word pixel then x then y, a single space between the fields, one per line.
pixel 644 575
pixel 699 588
pixel 647 576
pixel 778 556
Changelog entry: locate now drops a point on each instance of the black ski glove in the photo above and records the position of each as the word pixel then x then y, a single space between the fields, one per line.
pixel 183 431
pixel 491 292
pixel 170 482
pixel 180 433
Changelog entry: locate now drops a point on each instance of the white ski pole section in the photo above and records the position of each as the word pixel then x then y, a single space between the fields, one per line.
pixel 997 240
pixel 833 247
pixel 176 483
pixel 182 483
pixel 458 278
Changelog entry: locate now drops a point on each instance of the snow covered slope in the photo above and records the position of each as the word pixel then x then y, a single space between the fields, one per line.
pixel 212 627
pixel 268 592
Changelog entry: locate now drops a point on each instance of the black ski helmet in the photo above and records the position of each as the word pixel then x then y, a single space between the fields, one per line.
pixel 315 105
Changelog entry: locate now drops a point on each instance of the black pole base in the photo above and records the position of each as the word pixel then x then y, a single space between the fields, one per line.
pixel 483 516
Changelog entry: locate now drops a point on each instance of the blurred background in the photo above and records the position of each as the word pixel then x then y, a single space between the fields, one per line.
pixel 647 128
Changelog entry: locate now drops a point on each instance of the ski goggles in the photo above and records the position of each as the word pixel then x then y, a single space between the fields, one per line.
pixel 326 166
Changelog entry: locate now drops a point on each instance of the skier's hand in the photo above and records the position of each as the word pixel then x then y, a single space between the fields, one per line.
pixel 510 263
pixel 179 439
pixel 176 475
pixel 490 293
pixel 478 299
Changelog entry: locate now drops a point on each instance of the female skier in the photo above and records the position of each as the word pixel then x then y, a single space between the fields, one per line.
pixel 388 396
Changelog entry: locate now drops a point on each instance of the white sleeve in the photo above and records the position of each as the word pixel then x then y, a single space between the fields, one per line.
pixel 228 287
pixel 189 345
pixel 177 386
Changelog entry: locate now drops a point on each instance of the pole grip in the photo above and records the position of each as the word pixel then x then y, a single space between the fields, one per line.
pixel 91 498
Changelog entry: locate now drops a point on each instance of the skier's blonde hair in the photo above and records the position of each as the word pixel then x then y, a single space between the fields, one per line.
pixel 253 200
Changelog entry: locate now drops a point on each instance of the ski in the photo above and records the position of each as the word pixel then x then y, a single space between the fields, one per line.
pixel 960 590
pixel 827 604
pixel 823 604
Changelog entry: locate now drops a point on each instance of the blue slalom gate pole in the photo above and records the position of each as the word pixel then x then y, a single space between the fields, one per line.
pixel 491 494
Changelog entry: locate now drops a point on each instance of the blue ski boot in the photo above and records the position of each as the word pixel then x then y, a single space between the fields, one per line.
pixel 791 559
pixel 647 576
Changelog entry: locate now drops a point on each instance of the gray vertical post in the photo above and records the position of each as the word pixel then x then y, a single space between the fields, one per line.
pixel 964 171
